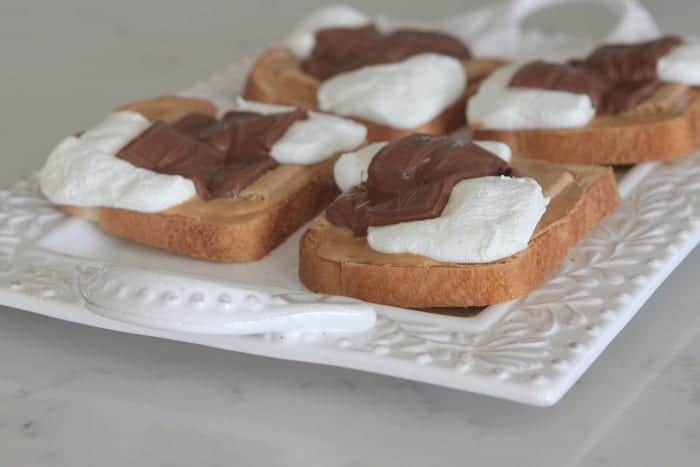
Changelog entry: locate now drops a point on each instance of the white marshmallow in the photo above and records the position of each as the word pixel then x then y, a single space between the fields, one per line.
pixel 486 219
pixel 404 95
pixel 351 168
pixel 681 65
pixel 85 171
pixel 312 140
pixel 496 148
pixel 303 40
pixel 501 107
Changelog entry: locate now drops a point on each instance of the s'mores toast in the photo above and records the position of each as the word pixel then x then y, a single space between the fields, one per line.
pixel 429 222
pixel 393 82
pixel 622 104
pixel 173 174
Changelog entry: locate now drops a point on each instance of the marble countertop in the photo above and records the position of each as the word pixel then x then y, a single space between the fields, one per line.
pixel 72 395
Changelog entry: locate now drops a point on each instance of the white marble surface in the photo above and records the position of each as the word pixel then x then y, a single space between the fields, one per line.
pixel 73 396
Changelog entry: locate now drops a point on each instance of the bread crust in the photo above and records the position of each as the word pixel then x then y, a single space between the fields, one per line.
pixel 249 239
pixel 458 285
pixel 277 78
pixel 215 234
pixel 666 134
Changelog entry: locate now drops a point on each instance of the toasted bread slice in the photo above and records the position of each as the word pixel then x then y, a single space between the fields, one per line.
pixel 335 262
pixel 226 230
pixel 277 78
pixel 665 127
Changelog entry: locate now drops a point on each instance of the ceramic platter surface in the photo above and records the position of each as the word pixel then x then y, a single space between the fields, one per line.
pixel 530 350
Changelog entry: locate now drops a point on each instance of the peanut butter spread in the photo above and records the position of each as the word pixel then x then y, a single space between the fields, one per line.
pixel 564 185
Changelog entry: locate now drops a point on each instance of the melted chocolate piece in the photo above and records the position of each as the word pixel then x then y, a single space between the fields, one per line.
pixel 339 50
pixel 616 77
pixel 350 210
pixel 163 149
pixel 407 42
pixel 221 157
pixel 219 133
pixel 229 180
pixel 624 96
pixel 626 63
pixel 544 75
pixel 411 179
pixel 252 136
pixel 191 124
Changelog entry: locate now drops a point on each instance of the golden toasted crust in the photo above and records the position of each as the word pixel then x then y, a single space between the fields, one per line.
pixel 653 132
pixel 277 78
pixel 226 230
pixel 417 282
pixel 170 108
pixel 248 239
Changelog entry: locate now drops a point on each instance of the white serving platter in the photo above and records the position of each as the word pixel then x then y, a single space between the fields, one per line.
pixel 530 350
